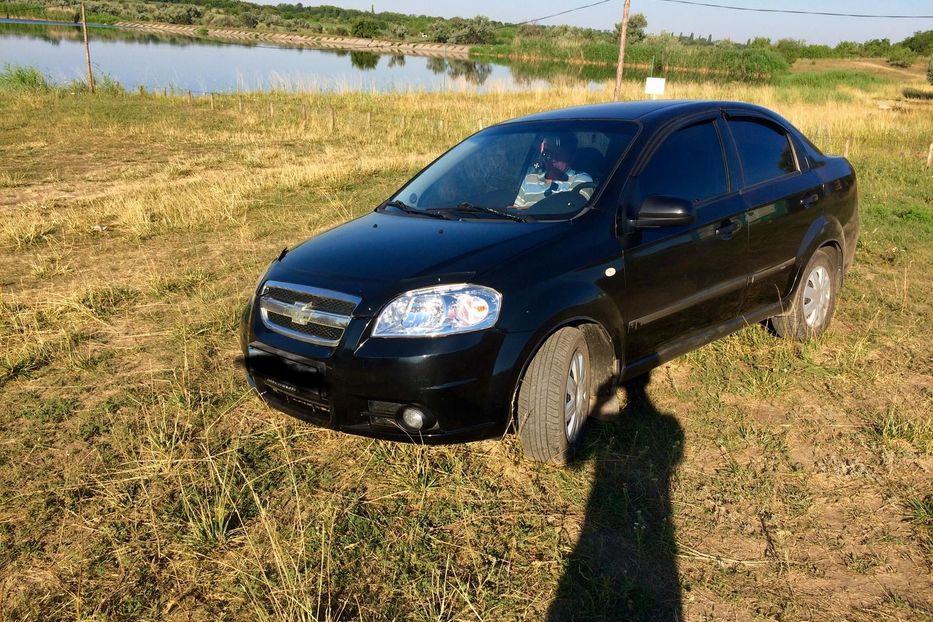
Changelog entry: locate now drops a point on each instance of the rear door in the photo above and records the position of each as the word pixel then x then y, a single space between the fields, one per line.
pixel 684 278
pixel 782 198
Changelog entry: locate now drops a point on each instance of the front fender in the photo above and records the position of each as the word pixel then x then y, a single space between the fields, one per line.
pixel 546 308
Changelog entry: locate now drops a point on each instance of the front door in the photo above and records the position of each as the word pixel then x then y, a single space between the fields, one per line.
pixel 682 279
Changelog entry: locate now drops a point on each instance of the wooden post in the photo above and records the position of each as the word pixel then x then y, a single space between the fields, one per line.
pixel 87 51
pixel 189 97
pixel 271 110
pixel 620 68
pixel 930 156
pixel 164 92
pixel 212 101
pixel 142 90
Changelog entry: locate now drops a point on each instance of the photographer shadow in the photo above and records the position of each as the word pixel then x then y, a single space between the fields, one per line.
pixel 624 565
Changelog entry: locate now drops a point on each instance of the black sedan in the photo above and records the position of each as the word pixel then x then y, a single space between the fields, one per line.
pixel 520 276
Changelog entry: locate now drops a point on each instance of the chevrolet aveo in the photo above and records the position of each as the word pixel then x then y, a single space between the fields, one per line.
pixel 517 278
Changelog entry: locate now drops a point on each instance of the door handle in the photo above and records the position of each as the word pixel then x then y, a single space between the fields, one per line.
pixel 809 200
pixel 727 227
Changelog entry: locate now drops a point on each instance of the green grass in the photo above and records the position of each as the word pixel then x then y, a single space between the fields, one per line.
pixel 674 61
pixel 832 79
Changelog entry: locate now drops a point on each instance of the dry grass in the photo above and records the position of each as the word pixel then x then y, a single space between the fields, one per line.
pixel 139 479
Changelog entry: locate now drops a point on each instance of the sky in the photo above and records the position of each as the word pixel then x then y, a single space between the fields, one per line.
pixel 676 18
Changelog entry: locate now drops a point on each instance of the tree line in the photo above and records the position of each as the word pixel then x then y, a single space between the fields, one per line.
pixel 557 42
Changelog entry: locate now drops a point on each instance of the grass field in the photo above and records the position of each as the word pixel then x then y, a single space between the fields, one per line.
pixel 754 479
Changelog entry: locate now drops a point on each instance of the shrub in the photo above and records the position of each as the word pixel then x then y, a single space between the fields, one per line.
pixel 912 93
pixel 365 29
pixel 183 15
pixel 930 69
pixel 464 31
pixel 15 78
pixel 901 56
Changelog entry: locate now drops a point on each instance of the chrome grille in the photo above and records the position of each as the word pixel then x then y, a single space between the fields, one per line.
pixel 310 314
pixel 321 303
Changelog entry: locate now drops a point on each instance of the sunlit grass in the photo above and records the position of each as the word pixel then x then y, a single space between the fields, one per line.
pixel 140 479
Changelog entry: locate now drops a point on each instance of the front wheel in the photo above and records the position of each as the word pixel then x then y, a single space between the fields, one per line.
pixel 815 300
pixel 554 400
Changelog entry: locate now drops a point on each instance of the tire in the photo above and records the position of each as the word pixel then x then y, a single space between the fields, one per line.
pixel 814 301
pixel 551 412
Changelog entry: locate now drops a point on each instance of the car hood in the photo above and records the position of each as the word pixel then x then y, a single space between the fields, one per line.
pixel 380 255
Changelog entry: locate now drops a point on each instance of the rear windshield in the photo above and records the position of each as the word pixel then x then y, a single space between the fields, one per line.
pixel 543 170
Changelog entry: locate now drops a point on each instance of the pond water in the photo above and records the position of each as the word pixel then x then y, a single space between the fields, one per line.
pixel 157 61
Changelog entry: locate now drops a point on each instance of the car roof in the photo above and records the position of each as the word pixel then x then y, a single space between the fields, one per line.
pixel 637 110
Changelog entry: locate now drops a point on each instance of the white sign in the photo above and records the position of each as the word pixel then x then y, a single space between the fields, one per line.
pixel 654 86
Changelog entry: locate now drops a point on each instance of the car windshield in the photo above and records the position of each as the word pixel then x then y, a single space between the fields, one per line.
pixel 520 171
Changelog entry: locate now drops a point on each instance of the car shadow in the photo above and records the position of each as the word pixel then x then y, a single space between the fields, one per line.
pixel 624 565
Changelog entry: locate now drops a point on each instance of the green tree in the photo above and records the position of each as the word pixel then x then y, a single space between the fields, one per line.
pixel 365 29
pixel 930 69
pixel 877 47
pixel 790 49
pixel 920 42
pixel 637 24
pixel 901 56
pixel 847 48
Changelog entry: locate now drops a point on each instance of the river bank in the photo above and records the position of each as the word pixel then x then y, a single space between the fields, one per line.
pixel 243 35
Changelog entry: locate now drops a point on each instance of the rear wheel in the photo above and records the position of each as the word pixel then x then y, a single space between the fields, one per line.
pixel 555 398
pixel 815 300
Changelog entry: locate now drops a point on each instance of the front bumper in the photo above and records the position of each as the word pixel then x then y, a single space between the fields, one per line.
pixel 361 386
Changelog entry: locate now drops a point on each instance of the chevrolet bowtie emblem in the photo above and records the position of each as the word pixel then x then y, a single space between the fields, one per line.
pixel 302 313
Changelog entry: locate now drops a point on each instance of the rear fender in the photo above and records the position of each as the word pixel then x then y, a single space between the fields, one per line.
pixel 823 231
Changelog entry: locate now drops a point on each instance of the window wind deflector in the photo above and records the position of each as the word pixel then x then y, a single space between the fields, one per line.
pixel 408 209
pixel 469 207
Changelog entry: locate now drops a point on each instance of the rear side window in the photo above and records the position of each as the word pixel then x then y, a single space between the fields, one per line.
pixel 765 151
pixel 688 165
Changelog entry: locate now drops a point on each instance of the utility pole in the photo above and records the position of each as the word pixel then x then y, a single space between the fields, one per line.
pixel 87 51
pixel 622 34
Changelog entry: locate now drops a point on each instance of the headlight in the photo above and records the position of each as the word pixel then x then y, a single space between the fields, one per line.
pixel 438 311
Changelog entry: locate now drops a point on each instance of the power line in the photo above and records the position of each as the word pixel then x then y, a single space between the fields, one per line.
pixel 538 19
pixel 795 12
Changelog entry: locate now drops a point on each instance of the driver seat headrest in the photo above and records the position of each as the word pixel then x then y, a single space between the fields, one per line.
pixel 588 160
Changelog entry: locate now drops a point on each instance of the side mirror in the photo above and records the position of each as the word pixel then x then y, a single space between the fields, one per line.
pixel 658 211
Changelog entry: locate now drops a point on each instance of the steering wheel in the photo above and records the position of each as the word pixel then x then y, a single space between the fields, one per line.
pixel 562 202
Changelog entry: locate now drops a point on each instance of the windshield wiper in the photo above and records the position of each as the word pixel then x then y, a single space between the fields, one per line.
pixel 469 207
pixel 408 209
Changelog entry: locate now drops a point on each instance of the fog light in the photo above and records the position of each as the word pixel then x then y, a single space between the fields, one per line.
pixel 414 419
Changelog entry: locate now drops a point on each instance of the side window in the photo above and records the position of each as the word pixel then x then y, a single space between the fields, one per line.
pixel 765 151
pixel 688 165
